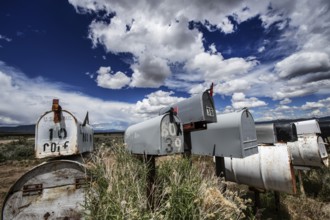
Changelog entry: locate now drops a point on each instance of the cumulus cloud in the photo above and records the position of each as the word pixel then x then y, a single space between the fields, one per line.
pixel 285 101
pixel 158 36
pixel 24 99
pixel 155 101
pixel 107 79
pixel 150 72
pixel 2 37
pixel 240 101
pixel 303 63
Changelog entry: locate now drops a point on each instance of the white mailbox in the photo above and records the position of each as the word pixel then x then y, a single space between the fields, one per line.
pixel 307 127
pixel 266 133
pixel 60 133
pixel 161 135
pixel 198 108
pixel 309 151
pixel 270 169
pixel 233 136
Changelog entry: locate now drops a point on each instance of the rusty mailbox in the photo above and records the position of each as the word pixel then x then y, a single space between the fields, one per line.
pixel 309 150
pixel 233 136
pixel 161 135
pixel 194 110
pixel 60 133
pixel 51 190
pixel 270 169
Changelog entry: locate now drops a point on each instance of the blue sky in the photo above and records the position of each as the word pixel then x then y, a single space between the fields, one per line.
pixel 122 62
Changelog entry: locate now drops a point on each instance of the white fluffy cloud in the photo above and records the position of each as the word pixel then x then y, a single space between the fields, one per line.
pixel 155 101
pixel 24 99
pixel 158 37
pixel 107 79
pixel 240 101
pixel 303 63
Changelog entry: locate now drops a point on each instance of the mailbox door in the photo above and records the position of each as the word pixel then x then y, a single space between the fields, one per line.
pixel 156 136
pixel 52 190
pixel 56 139
pixel 171 135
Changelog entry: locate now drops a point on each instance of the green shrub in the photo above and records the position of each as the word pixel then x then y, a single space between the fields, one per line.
pixel 181 190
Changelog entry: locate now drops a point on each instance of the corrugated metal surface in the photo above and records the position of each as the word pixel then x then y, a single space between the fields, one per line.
pixel 52 190
pixel 156 136
pixel 266 133
pixel 234 135
pixel 308 151
pixel 270 169
pixel 63 138
pixel 198 108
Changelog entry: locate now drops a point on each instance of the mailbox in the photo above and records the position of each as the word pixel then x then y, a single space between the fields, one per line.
pixel 309 151
pixel 270 169
pixel 60 133
pixel 233 136
pixel 266 133
pixel 198 108
pixel 51 190
pixel 161 135
pixel 308 127
pixel 286 132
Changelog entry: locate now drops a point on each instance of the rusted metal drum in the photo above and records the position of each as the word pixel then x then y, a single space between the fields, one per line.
pixel 270 169
pixel 51 190
pixel 309 151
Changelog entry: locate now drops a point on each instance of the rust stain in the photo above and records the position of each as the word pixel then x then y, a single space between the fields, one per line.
pixel 57 109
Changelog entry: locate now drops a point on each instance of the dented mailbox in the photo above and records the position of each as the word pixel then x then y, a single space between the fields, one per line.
pixel 198 108
pixel 161 135
pixel 60 133
pixel 309 151
pixel 270 169
pixel 266 133
pixel 233 136
pixel 51 190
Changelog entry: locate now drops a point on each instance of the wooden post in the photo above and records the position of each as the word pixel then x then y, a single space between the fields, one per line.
pixel 277 201
pixel 151 176
pixel 301 184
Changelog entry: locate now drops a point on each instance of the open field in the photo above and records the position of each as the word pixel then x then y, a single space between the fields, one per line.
pixel 16 154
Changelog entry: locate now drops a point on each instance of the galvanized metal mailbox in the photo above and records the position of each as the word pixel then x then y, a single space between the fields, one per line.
pixel 270 169
pixel 198 108
pixel 161 135
pixel 51 190
pixel 233 136
pixel 60 133
pixel 266 133
pixel 308 127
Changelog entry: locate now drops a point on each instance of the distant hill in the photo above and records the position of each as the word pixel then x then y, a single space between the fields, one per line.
pixel 30 129
pixel 21 129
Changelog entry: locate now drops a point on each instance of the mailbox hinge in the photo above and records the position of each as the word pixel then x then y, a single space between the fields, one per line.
pixel 81 182
pixel 32 189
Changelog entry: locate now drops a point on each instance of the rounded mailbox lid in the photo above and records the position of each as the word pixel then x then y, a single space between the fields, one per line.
pixel 55 138
pixel 52 190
